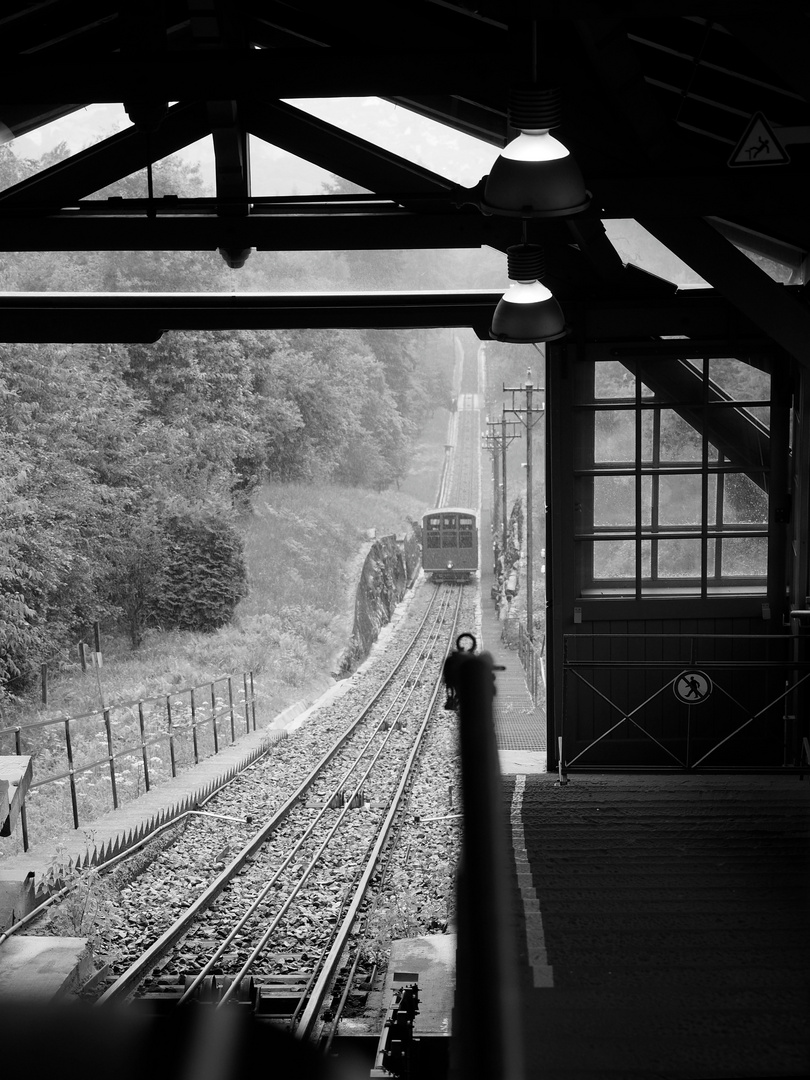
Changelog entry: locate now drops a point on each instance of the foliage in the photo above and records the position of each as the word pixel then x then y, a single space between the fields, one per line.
pixel 403 911
pixel 90 909
pixel 105 447
pixel 204 575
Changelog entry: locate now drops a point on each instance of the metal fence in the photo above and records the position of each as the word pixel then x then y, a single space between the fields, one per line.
pixel 531 653
pixel 98 760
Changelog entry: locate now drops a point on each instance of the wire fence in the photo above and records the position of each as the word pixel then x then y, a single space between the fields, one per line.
pixel 92 763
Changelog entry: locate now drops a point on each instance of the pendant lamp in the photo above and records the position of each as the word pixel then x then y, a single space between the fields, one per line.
pixel 535 175
pixel 528 311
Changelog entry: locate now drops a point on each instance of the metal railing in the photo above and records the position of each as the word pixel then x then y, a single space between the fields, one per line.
pixel 112 755
pixel 531 654
pixel 532 658
pixel 754 711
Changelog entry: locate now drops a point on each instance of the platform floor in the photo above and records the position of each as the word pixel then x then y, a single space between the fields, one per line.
pixel 661 925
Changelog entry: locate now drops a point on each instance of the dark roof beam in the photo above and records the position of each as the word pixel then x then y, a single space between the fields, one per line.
pixel 750 289
pixel 778 41
pixel 112 159
pixel 119 226
pixel 638 119
pixel 70 317
pixel 261 73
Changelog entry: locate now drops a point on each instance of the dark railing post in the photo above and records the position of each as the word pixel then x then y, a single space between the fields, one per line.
pixel 214 716
pixel 111 757
pixel 487 1026
pixel 230 703
pixel 247 702
pixel 144 754
pixel 23 817
pixel 171 733
pixel 69 749
pixel 194 728
pixel 253 700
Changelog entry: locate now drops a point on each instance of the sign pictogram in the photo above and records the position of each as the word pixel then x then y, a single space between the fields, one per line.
pixel 759 145
pixel 692 686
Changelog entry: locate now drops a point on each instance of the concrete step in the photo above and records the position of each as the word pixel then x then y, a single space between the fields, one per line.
pixel 42 969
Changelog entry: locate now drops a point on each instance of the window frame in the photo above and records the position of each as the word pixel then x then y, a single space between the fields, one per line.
pixel 645 532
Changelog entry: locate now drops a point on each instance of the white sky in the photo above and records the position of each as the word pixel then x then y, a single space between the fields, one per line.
pixel 459 157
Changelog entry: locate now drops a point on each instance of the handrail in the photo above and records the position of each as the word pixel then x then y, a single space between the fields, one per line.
pixel 487 1032
pixel 199 717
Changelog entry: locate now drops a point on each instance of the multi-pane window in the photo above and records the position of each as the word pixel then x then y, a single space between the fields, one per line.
pixel 433 535
pixel 672 467
pixel 465 531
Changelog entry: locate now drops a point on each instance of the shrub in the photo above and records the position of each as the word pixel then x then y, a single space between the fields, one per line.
pixel 204 577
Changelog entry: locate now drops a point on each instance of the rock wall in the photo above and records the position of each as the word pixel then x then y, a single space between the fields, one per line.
pixel 387 571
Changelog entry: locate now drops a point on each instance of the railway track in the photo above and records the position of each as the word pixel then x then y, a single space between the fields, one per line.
pixel 463 487
pixel 308 866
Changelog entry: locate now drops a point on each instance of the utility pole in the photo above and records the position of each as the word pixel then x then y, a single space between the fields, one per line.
pixel 528 416
pixel 490 443
pixel 499 435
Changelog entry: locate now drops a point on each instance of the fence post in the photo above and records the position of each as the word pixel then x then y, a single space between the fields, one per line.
pixel 247 702
pixel 214 716
pixel 143 747
pixel 69 749
pixel 252 699
pixel 23 817
pixel 194 728
pixel 171 733
pixel 230 702
pixel 111 756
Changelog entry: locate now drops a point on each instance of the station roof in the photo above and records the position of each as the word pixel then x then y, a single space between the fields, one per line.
pixel 657 101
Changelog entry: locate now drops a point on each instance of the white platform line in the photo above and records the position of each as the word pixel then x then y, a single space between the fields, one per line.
pixel 543 973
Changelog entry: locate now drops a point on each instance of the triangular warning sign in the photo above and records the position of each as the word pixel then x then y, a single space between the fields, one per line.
pixel 759 145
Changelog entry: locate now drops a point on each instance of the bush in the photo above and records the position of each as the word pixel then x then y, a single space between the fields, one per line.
pixel 204 576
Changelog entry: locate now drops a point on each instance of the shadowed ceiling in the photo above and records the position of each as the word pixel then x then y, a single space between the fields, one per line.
pixel 656 100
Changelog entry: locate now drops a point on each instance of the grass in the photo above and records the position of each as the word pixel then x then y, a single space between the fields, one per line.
pixel 303 545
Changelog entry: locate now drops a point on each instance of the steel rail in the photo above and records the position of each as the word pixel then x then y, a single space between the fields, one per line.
pixel 310 829
pixel 327 975
pixel 129 979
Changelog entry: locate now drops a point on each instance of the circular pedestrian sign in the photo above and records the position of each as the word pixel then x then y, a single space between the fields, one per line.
pixel 692 686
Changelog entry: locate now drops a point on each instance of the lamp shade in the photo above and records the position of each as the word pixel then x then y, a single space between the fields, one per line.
pixel 535 175
pixel 527 312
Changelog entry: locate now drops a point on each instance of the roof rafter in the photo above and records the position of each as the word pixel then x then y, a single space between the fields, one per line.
pixel 770 306
pixel 112 159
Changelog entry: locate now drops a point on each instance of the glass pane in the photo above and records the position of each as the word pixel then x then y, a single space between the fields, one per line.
pixel 712 567
pixel 679 558
pixel 646 559
pixel 613 380
pixel 743 501
pixel 679 500
pixel 614 500
pixel 647 487
pixel 739 380
pixel 680 441
pixel 614 436
pixel 646 392
pixel 614 559
pixel 745 556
